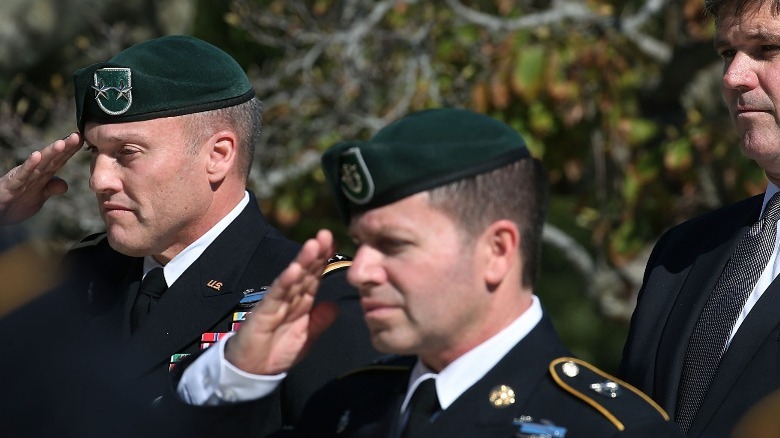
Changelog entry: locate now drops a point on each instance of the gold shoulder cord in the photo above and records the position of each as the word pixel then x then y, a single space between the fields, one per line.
pixel 596 405
pixel 336 266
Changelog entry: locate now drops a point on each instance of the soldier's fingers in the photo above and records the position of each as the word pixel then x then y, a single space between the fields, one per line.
pixel 58 153
pixel 55 186
pixel 21 174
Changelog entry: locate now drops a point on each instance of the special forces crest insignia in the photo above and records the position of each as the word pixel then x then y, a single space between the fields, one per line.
pixel 113 90
pixel 356 182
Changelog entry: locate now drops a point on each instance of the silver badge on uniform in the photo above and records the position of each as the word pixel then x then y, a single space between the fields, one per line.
pixel 607 388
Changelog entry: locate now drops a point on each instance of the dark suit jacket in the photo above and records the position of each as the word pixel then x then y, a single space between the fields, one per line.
pixel 366 403
pixel 247 255
pixel 680 275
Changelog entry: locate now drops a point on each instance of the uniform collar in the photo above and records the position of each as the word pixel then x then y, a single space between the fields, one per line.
pixel 466 370
pixel 188 255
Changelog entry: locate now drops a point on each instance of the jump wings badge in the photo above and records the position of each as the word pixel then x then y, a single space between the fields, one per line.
pixel 113 90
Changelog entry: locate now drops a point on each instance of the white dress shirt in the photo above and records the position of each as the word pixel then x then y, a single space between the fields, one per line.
pixel 465 371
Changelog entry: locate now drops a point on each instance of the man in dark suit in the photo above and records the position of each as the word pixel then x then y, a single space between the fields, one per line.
pixel 171 125
pixel 447 207
pixel 704 337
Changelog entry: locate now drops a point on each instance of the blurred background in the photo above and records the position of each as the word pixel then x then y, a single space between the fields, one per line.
pixel 619 98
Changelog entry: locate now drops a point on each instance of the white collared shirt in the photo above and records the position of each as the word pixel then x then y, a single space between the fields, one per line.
pixel 179 263
pixel 465 371
pixel 769 274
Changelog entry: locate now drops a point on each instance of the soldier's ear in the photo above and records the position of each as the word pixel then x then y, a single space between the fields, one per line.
pixel 500 242
pixel 222 155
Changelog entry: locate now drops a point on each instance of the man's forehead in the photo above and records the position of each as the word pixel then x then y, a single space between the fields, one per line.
pixel 754 23
pixel 400 214
pixel 141 131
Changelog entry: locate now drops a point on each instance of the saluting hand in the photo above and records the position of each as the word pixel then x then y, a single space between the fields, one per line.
pixel 25 188
pixel 285 323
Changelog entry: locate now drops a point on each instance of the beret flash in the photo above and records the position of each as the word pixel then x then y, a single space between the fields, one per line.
pixel 419 152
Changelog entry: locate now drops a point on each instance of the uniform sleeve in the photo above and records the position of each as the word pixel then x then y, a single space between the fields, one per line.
pixel 211 380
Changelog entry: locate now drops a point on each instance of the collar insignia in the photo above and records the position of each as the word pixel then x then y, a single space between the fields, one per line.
pixel 502 396
pixel 607 388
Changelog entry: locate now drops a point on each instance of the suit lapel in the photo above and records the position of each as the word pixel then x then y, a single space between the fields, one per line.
pixel 392 419
pixel 691 299
pixel 751 335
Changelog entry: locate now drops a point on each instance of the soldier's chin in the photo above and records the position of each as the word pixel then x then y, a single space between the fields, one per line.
pixel 127 248
pixel 389 345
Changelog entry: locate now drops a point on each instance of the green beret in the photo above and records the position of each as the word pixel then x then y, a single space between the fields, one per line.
pixel 163 77
pixel 419 152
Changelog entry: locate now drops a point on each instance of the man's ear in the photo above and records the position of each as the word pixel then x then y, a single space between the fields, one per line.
pixel 501 241
pixel 223 155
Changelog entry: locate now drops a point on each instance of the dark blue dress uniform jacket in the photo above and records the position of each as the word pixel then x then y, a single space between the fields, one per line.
pixel 681 273
pixel 247 255
pixel 366 403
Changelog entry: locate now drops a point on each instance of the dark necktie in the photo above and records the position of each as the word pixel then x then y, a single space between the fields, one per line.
pixel 708 340
pixel 152 288
pixel 422 406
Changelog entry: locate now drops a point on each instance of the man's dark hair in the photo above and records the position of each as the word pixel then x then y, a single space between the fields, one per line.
pixel 714 8
pixel 517 192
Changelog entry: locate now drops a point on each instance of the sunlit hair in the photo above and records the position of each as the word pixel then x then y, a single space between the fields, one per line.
pixel 244 119
pixel 517 192
pixel 714 8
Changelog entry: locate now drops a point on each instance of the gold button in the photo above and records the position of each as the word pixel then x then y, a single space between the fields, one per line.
pixel 502 396
pixel 571 369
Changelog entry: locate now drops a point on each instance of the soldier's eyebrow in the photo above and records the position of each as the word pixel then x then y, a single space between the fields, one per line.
pixel 121 138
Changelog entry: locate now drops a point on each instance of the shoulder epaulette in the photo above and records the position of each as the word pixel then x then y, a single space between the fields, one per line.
pixel 91 240
pixel 603 392
pixel 390 363
pixel 337 263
